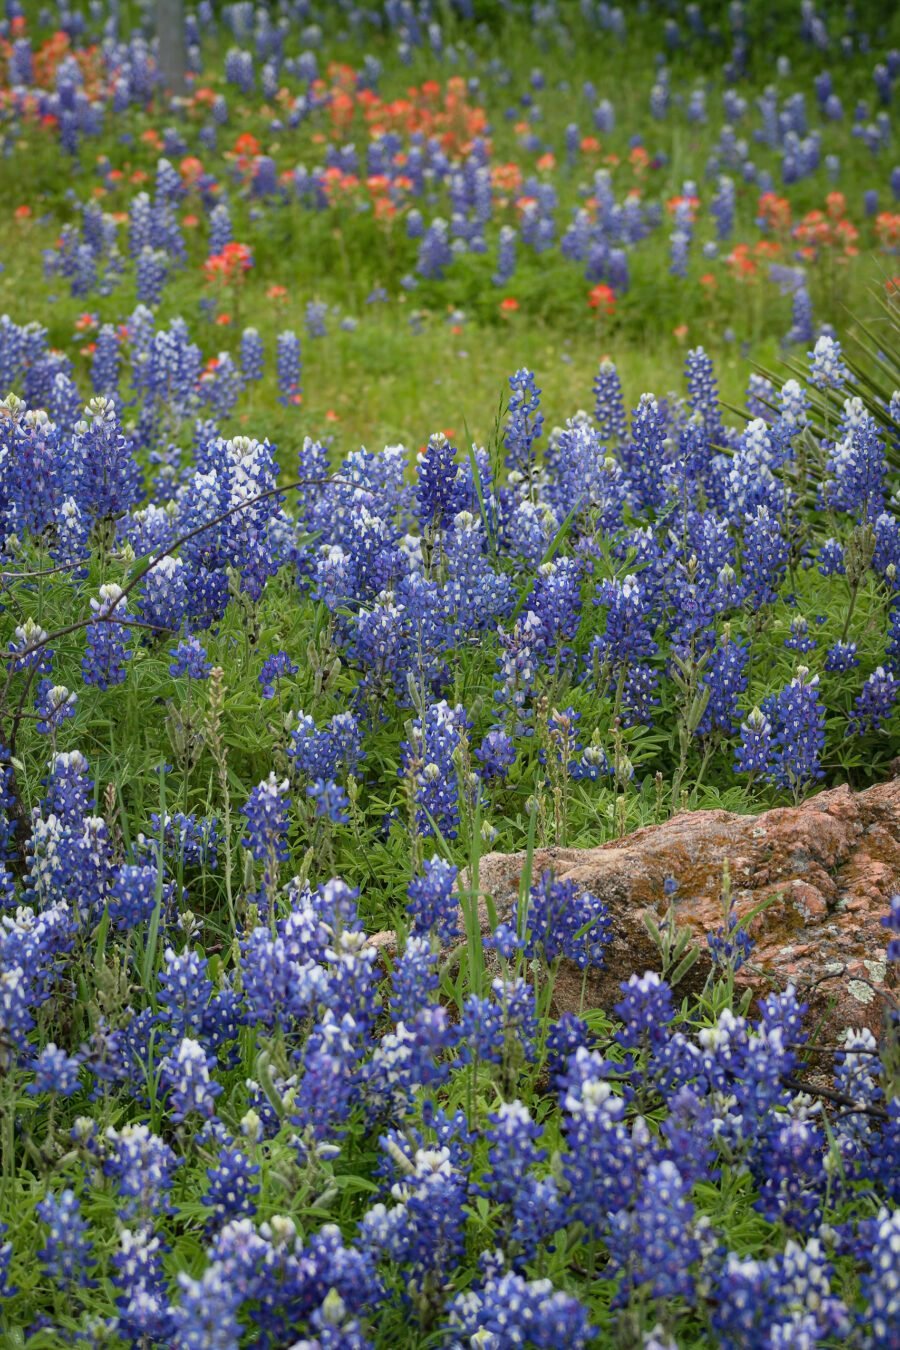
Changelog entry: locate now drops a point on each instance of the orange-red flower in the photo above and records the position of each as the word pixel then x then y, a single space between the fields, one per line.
pixel 836 205
pixel 887 229
pixel 191 169
pixel 774 211
pixel 229 265
pixel 602 298
pixel 509 304
pixel 506 177
pixel 246 145
pixel 740 262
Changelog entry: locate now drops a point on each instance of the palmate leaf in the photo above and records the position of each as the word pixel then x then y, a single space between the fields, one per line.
pixel 872 355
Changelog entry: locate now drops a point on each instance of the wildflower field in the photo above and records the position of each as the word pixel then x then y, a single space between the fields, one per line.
pixel 444 427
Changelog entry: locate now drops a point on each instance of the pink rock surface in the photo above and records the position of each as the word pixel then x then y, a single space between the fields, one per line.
pixel 831 865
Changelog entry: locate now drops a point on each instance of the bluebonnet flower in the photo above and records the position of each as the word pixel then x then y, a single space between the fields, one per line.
pixel 798 718
pixel 553 1318
pixel 644 455
pixel 501 1025
pixel 415 980
pixel 556 601
pixel 106 362
pixel 67 1254
pixel 512 1151
pixel 189 659
pixel 103 664
pixel 891 922
pixel 133 894
pixel 327 752
pixel 725 676
pixel 231 1191
pixel 653 1244
pixel 790 1173
pixel 722 207
pixel 152 274
pixel 730 945
pixel 827 369
pixel 207 1312
pixel 830 559
pixel 433 905
pixel 185 1074
pixel 609 406
pixel 703 392
pixel 56 1072
pixel 560 921
pixel 330 800
pixel 760 394
pixel 799 640
pixel 142 1167
pixel 771 1302
pixel 426 1226
pixel 481 1031
pixel 54 704
pixel 506 255
pixel 164 600
pixel 438 490
pixel 765 557
pixel 220 228
pixel 496 754
pixel 435 251
pixel 143 1304
pixel 646 1012
pixel 289 368
pixel 184 991
pixel 602 1154
pixel 794 404
pixel 840 657
pixel 188 840
pixel 6 1289
pixel 628 636
pixel 427 763
pixel 528 531
pixel 314 318
pixel 874 704
pixel 330 1069
pixel 856 1076
pixel 29 649
pixel 266 813
pixel 524 423
pixel 276 667
pixel 680 239
pixel 516 999
pixel 880 1289
pixel 252 353
pixel 857 467
pixel 105 479
pixel 753 753
pixel 69 787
